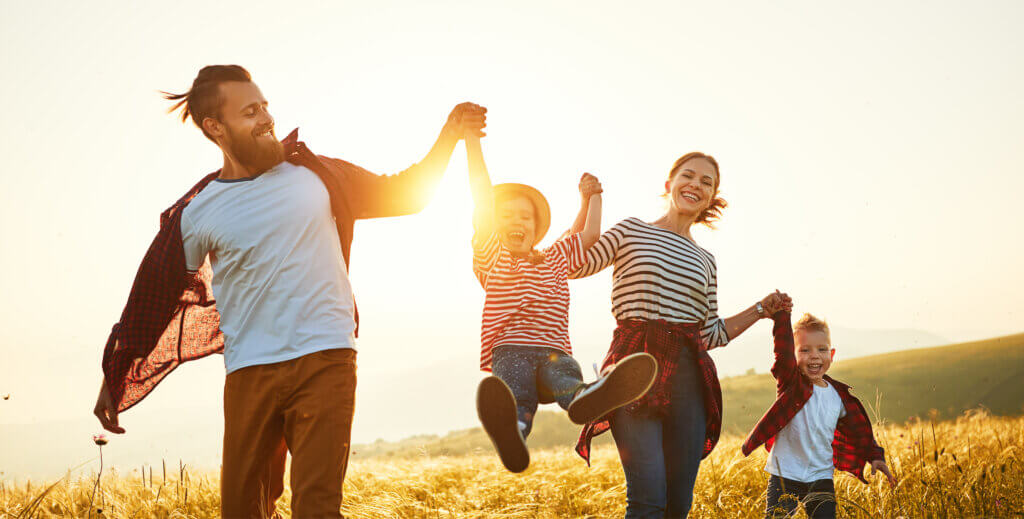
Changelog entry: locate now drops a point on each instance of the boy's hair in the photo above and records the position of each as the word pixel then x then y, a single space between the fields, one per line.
pixel 812 324
pixel 203 99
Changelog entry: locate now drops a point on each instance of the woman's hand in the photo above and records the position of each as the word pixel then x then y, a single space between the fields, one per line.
pixel 775 302
pixel 589 185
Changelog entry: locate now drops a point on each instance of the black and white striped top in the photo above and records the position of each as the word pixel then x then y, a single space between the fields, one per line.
pixel 658 275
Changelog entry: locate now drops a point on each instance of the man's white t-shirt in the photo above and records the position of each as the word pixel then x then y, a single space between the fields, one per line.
pixel 803 448
pixel 279 276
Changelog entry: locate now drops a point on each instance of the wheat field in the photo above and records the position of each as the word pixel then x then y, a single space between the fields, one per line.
pixel 969 467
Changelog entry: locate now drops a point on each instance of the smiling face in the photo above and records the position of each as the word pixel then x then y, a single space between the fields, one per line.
pixel 516 222
pixel 692 187
pixel 245 128
pixel 813 354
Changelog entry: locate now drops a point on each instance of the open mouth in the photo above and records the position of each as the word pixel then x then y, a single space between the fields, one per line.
pixel 814 368
pixel 267 132
pixel 516 237
pixel 689 196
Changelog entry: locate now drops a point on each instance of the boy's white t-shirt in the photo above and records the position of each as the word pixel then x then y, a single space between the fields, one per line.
pixel 803 448
pixel 279 276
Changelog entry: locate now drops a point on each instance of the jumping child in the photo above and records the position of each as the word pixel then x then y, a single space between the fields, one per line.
pixel 525 330
pixel 815 425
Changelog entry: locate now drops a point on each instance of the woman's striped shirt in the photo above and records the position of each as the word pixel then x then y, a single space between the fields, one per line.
pixel 526 304
pixel 658 275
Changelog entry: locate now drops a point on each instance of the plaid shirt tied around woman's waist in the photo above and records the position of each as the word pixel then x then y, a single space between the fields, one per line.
pixel 665 342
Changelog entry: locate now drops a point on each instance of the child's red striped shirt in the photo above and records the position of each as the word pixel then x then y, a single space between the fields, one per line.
pixel 526 304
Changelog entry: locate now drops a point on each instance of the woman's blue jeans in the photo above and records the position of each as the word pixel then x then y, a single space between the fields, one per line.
pixel 661 455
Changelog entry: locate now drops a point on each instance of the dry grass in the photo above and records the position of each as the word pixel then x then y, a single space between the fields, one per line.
pixel 970 467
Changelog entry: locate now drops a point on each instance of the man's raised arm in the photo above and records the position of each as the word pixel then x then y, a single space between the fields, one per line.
pixel 376 196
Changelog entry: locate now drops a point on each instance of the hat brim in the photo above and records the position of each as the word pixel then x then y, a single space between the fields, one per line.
pixel 540 203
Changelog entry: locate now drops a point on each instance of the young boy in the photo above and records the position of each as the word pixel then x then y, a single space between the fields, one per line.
pixel 525 330
pixel 815 425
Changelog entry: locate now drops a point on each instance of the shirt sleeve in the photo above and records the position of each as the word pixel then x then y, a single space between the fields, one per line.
pixel 714 334
pixel 487 252
pixel 370 195
pixel 601 254
pixel 195 249
pixel 571 248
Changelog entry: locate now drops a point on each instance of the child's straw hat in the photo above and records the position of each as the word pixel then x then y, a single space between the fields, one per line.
pixel 540 204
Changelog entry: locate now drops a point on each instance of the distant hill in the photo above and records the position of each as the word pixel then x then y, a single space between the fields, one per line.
pixel 861 342
pixel 943 380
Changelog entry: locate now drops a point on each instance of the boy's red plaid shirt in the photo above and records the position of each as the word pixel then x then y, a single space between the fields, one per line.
pixel 854 444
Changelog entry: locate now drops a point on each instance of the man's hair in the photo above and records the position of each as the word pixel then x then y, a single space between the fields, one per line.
pixel 203 99
pixel 714 210
pixel 810 323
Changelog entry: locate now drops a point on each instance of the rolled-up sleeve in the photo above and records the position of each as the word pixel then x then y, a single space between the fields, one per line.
pixel 714 333
pixel 377 196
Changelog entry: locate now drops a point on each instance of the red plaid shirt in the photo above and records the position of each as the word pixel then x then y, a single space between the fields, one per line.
pixel 665 341
pixel 854 443
pixel 171 316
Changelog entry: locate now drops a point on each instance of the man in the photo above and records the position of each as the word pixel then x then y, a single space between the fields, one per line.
pixel 269 234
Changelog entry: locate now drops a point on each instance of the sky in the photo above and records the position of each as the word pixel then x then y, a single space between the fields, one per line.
pixel 871 154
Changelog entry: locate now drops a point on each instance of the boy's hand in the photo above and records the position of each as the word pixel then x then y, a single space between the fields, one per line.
pixel 775 302
pixel 880 466
pixel 589 185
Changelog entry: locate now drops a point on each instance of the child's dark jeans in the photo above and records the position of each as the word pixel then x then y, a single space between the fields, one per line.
pixel 818 497
pixel 537 375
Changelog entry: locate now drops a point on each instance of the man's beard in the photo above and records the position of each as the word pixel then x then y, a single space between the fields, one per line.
pixel 256 156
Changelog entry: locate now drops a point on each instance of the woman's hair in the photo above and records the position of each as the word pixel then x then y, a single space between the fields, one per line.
pixel 203 99
pixel 812 324
pixel 714 210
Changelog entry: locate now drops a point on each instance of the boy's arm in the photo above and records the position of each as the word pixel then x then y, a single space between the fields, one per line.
pixel 784 368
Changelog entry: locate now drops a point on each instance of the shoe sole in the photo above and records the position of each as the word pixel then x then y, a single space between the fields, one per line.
pixel 496 408
pixel 629 380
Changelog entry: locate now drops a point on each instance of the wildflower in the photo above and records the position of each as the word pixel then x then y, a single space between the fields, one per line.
pixel 100 440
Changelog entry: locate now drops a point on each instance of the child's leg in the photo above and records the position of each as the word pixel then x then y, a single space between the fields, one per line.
pixel 517 367
pixel 627 381
pixel 783 496
pixel 820 502
pixel 559 374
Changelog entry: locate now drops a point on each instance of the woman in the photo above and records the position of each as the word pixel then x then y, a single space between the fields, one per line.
pixel 664 296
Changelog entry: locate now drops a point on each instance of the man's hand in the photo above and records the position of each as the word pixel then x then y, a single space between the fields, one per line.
pixel 880 466
pixel 466 119
pixel 106 411
pixel 589 185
